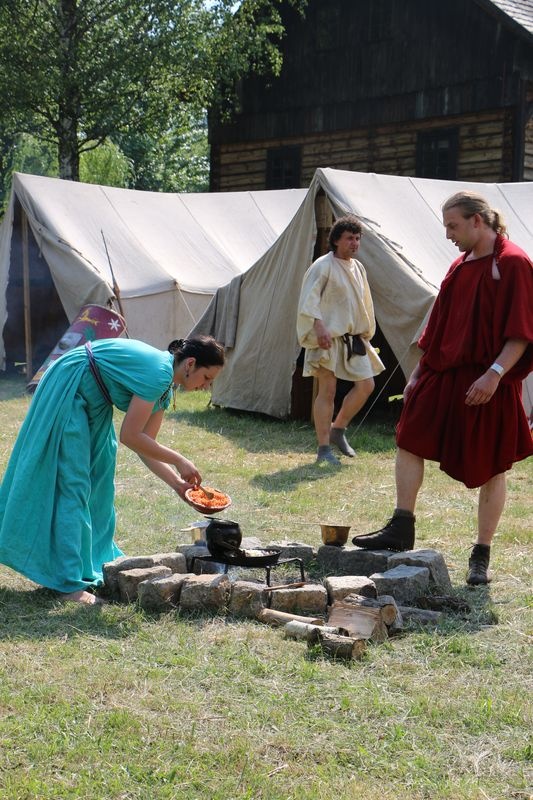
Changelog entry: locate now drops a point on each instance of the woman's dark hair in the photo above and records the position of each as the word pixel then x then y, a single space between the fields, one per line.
pixel 206 351
pixel 347 223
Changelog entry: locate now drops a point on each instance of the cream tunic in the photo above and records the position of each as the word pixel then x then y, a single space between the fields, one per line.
pixel 337 292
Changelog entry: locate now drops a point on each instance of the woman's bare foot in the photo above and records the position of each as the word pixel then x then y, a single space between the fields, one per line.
pixel 83 597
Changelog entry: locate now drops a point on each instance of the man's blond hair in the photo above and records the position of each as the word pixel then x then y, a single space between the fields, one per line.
pixel 471 203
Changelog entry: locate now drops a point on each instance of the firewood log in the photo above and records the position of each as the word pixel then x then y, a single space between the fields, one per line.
pixel 302 630
pixel 358 621
pixel 420 615
pixel 387 604
pixel 345 647
pixel 273 617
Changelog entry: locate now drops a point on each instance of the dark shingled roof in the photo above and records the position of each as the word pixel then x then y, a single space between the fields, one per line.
pixel 520 11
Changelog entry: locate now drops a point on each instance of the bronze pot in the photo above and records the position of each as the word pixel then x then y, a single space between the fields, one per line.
pixel 335 535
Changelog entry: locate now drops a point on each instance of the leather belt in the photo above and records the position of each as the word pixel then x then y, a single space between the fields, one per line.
pixel 96 374
pixel 354 344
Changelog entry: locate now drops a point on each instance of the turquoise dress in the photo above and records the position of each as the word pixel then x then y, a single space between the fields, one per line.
pixel 57 516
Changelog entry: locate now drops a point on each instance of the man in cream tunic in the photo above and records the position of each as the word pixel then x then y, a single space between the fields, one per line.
pixel 335 324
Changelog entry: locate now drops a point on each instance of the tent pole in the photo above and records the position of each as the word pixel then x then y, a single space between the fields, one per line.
pixel 26 290
pixel 324 221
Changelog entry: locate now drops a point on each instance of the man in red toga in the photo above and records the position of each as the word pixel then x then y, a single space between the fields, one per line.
pixel 462 403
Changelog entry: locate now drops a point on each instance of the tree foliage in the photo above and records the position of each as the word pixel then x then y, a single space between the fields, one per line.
pixel 176 160
pixel 106 165
pixel 78 72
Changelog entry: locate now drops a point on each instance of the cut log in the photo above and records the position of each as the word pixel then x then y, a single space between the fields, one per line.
pixel 358 621
pixel 346 647
pixel 387 604
pixel 273 617
pixel 302 630
pixel 420 615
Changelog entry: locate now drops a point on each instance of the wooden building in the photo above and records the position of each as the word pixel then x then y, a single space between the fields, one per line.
pixel 430 88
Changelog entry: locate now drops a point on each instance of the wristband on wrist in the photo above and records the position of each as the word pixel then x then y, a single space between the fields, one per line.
pixel 497 368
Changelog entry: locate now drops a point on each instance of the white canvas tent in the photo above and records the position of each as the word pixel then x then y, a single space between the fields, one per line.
pixel 406 254
pixel 169 253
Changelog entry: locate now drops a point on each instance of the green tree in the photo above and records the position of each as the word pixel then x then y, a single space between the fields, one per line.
pixel 106 165
pixel 79 72
pixel 23 153
pixel 29 154
pixel 176 160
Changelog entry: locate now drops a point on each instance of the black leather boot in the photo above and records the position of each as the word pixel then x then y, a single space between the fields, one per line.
pixel 478 566
pixel 397 535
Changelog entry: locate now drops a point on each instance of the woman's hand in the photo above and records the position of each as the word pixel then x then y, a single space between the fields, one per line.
pixel 188 471
pixel 181 488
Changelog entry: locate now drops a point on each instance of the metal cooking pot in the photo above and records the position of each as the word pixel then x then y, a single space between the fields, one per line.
pixel 223 538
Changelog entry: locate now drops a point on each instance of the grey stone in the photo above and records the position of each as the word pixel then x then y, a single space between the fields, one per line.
pixel 251 543
pixel 247 599
pixel 294 550
pixel 309 599
pixel 112 569
pixel 439 578
pixel 191 551
pixel 351 560
pixel 205 592
pixel 129 580
pixel 175 561
pixel 404 583
pixel 339 587
pixel 159 594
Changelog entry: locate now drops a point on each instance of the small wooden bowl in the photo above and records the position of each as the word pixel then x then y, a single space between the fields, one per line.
pixel 335 535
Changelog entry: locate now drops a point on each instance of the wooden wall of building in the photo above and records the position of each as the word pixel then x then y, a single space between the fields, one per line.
pixel 361 80
pixel 485 144
pixel 528 138
pixel 528 152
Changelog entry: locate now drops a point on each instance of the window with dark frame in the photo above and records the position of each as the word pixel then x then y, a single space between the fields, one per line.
pixel 283 167
pixel 436 153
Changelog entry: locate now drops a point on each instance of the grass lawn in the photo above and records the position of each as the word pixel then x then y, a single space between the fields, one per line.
pixel 115 704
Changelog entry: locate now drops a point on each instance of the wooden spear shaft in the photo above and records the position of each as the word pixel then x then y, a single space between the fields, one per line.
pixel 116 289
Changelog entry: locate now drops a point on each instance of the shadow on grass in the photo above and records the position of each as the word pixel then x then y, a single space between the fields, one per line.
pixel 465 610
pixel 258 433
pixel 12 386
pixel 40 614
pixel 286 479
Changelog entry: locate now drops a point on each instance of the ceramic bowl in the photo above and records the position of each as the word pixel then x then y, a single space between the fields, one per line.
pixel 193 495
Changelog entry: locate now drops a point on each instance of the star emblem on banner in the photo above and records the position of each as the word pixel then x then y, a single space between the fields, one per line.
pixel 114 324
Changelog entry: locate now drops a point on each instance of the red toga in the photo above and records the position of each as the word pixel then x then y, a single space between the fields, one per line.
pixel 473 316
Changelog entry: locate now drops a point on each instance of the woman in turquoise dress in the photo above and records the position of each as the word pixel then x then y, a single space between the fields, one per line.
pixel 57 516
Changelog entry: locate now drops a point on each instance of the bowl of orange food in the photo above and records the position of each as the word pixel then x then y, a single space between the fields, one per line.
pixel 208 505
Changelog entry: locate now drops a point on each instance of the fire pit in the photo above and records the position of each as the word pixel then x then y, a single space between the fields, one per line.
pixel 224 538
